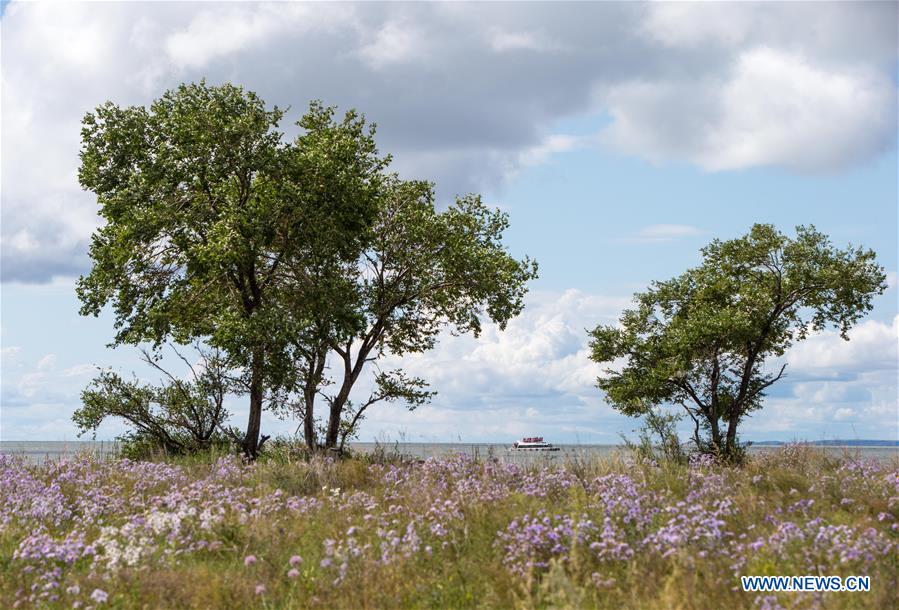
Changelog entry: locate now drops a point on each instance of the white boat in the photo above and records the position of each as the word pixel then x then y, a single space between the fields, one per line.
pixel 533 443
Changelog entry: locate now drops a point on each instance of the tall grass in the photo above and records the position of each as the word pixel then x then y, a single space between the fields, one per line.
pixel 384 532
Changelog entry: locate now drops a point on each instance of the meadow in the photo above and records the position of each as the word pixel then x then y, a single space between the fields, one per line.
pixel 457 532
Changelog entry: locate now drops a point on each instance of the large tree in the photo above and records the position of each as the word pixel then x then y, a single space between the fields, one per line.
pixel 203 203
pixel 701 341
pixel 423 270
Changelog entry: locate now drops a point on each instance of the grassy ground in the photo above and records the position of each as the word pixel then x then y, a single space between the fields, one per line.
pixel 453 533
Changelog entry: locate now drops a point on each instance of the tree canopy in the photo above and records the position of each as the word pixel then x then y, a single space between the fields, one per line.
pixel 422 270
pixel 204 202
pixel 701 340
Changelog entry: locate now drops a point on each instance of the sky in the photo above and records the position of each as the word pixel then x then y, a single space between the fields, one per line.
pixel 619 137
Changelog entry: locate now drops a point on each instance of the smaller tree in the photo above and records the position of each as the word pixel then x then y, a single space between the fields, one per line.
pixel 422 270
pixel 178 416
pixel 701 340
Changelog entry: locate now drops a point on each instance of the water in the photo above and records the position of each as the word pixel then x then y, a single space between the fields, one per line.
pixel 38 451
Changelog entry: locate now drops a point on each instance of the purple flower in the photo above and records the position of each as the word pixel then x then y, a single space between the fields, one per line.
pixel 296 560
pixel 260 589
pixel 99 596
pixel 249 560
pixel 293 573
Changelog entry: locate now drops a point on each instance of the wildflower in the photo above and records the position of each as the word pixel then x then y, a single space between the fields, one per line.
pixel 293 573
pixel 73 590
pixel 260 589
pixel 296 560
pixel 99 596
pixel 249 560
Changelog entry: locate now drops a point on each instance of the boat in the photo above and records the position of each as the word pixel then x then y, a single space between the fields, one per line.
pixel 533 443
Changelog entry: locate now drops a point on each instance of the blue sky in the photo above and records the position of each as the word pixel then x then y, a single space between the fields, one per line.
pixel 620 138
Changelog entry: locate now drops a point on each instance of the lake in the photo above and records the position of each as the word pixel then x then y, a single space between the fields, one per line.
pixel 38 451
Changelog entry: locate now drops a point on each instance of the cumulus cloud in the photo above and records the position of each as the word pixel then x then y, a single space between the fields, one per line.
pixel 396 42
pixel 541 352
pixel 463 94
pixel 536 378
pixel 218 32
pixel 773 108
pixel 533 378
pixel 872 346
pixel 837 388
pixel 763 84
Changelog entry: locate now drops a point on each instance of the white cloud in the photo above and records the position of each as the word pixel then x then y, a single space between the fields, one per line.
pixel 773 107
pixel 396 42
pixel 221 32
pixel 843 413
pixel 551 145
pixel 533 378
pixel 662 233
pixel 872 345
pixel 47 362
pixel 8 353
pixel 806 87
pixel 834 31
pixel 30 383
pixel 79 370
pixel 502 40
pixel 543 351
pixel 679 24
pixel 836 388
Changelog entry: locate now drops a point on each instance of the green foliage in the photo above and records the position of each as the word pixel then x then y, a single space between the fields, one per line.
pixel 177 417
pixel 701 340
pixel 421 271
pixel 206 206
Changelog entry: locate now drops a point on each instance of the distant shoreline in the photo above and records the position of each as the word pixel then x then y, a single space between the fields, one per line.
pixel 827 443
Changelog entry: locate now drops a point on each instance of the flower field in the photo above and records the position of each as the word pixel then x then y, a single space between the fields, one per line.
pixel 457 532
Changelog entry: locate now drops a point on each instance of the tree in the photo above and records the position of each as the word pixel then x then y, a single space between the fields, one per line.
pixel 701 340
pixel 179 416
pixel 422 270
pixel 203 203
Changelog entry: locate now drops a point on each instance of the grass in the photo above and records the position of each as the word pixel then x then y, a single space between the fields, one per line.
pixel 453 533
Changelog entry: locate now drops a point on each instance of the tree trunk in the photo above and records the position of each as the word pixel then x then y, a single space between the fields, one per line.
pixel 731 443
pixel 309 421
pixel 334 419
pixel 251 440
pixel 713 404
pixel 716 432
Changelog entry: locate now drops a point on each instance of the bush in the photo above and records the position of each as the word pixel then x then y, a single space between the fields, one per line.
pixel 174 418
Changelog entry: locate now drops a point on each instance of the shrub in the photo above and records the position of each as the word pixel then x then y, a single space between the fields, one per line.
pixel 176 417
